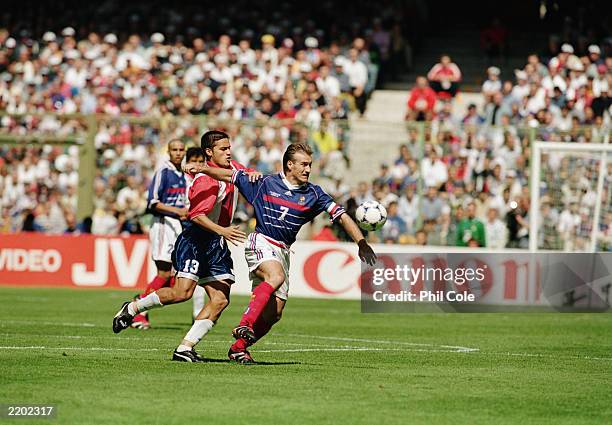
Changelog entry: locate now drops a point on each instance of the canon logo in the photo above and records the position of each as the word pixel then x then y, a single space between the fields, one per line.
pixel 31 260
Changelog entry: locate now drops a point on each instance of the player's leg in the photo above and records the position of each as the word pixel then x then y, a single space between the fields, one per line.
pixel 217 277
pixel 180 292
pixel 199 298
pixel 186 257
pixel 161 279
pixel 218 299
pixel 272 314
pixel 272 276
pixel 162 237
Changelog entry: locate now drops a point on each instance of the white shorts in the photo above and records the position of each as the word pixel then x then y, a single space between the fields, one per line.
pixel 162 235
pixel 259 248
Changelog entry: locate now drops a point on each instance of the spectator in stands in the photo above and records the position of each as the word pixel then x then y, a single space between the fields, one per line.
pixel 433 170
pixel 471 230
pixel 357 73
pixel 432 204
pixel 495 110
pixel 421 102
pixel 421 237
pixel 444 77
pixel 395 228
pixel 472 117
pixel 496 232
pixel 408 208
pixel 569 221
pixel 492 85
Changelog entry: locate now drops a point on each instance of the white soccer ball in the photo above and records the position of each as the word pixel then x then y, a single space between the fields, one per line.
pixel 371 216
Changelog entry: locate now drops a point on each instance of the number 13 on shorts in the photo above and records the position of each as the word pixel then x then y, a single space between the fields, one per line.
pixel 191 266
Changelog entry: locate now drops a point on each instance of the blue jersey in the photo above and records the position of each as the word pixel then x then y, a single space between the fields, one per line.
pixel 168 187
pixel 281 208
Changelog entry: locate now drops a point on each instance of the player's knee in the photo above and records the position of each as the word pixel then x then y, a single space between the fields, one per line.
pixel 182 294
pixel 275 279
pixel 219 304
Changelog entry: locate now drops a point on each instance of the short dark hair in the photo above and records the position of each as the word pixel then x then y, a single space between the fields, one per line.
pixel 211 137
pixel 193 152
pixel 292 149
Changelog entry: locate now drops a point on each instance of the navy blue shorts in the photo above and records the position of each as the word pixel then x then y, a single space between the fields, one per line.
pixel 203 257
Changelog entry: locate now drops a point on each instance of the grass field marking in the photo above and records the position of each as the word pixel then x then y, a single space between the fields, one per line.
pixel 548 356
pixel 456 348
pixel 42 347
pixel 35 322
pixel 288 350
pixel 148 339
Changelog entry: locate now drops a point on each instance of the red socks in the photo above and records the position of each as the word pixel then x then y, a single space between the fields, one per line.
pixel 156 283
pixel 260 328
pixel 259 299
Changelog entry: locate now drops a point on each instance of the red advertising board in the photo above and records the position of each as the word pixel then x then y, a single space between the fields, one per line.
pixel 33 259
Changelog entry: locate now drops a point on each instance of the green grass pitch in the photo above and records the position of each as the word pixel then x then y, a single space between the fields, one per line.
pixel 324 363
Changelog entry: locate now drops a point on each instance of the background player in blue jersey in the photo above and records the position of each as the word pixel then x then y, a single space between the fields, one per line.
pixel 166 201
pixel 283 203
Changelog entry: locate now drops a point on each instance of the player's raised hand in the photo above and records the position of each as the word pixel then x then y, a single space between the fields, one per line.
pixel 366 253
pixel 233 235
pixel 254 176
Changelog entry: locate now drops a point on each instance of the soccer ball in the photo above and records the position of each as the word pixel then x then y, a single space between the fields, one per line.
pixel 371 216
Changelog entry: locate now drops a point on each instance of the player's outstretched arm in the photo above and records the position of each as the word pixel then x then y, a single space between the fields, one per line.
pixel 232 234
pixel 366 253
pixel 221 174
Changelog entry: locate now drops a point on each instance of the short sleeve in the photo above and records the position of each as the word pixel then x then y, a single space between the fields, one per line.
pixel 202 196
pixel 248 189
pixel 156 189
pixel 326 203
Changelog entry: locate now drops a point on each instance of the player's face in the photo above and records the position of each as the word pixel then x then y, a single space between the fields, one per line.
pixel 198 160
pixel 221 153
pixel 299 167
pixel 176 151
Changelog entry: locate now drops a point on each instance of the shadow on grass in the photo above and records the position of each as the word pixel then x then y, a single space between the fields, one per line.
pixel 210 360
pixel 172 327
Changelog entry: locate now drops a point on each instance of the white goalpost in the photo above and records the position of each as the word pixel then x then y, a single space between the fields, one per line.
pixel 576 150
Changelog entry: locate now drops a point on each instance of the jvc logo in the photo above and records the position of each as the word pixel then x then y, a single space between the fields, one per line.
pixel 128 268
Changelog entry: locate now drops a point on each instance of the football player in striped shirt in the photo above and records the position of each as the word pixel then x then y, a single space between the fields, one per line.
pixel 283 203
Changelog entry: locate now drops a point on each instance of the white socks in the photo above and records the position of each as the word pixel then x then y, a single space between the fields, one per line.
pixel 198 297
pixel 196 333
pixel 144 304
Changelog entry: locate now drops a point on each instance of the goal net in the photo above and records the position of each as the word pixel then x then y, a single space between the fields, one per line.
pixel 571 197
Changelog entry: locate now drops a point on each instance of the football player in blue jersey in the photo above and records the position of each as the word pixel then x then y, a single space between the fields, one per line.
pixel 283 203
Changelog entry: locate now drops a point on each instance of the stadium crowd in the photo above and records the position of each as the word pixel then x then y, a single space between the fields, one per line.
pixel 265 95
pixel 475 167
pixel 270 92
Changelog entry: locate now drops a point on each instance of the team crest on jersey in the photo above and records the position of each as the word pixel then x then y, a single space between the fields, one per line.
pixel 302 200
pixel 277 195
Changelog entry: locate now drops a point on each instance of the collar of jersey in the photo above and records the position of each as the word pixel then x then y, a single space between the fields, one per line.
pixel 289 185
pixel 170 165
